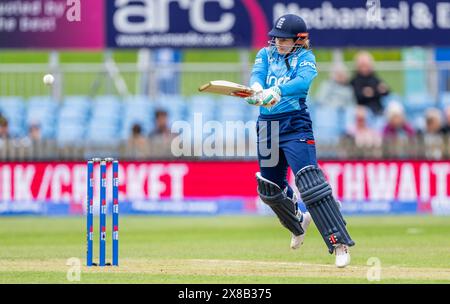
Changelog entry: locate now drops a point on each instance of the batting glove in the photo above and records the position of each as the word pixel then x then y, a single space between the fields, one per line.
pixel 271 96
pixel 255 99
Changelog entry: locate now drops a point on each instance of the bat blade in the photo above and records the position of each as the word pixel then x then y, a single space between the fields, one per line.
pixel 223 87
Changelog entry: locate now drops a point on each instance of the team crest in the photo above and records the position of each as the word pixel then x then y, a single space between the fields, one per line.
pixel 280 23
pixel 294 62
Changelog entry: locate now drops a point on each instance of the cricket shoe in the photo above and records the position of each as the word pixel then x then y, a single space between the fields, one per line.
pixel 297 240
pixel 342 255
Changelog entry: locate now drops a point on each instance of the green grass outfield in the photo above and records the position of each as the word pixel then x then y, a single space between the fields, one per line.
pixel 225 250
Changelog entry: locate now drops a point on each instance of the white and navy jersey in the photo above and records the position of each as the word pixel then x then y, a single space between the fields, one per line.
pixel 294 82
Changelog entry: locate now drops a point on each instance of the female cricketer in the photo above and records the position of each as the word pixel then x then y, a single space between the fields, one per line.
pixel 281 78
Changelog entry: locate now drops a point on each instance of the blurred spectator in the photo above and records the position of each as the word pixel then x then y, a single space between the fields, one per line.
pixel 161 137
pixel 34 134
pixel 397 127
pixel 368 88
pixel 446 126
pixel 33 142
pixel 137 145
pixel 361 133
pixel 161 125
pixel 360 140
pixel 4 130
pixel 433 122
pixel 336 91
pixel 431 137
pixel 399 140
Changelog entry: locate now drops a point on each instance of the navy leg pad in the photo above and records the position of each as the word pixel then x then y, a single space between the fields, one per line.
pixel 283 206
pixel 317 195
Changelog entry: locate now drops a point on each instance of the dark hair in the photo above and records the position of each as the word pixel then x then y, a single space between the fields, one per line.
pixel 160 112
pixel 136 129
pixel 3 121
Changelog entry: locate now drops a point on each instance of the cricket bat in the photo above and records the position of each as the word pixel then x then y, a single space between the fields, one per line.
pixel 224 87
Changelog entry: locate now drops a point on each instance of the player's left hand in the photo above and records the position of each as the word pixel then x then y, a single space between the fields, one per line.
pixel 271 96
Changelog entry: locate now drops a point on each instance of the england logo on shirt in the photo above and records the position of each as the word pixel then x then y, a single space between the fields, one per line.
pixel 294 62
pixel 280 23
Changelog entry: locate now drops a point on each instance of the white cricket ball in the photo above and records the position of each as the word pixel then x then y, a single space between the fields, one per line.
pixel 49 79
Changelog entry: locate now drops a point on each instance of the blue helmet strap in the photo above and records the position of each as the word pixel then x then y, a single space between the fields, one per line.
pixel 286 61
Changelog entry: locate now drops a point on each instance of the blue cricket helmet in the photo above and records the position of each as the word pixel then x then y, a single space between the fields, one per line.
pixel 289 26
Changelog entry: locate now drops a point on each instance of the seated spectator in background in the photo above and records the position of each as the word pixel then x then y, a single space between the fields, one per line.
pixel 336 91
pixel 32 141
pixel 34 132
pixel 161 125
pixel 137 145
pixel 4 130
pixel 161 137
pixel 431 137
pixel 397 127
pixel 433 122
pixel 362 135
pixel 368 88
pixel 446 126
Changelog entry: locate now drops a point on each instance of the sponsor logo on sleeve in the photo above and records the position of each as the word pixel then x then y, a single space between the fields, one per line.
pixel 308 63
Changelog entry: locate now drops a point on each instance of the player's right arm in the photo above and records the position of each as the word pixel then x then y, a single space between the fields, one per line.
pixel 258 76
pixel 260 68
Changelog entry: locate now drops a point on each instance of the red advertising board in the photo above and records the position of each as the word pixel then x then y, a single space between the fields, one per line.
pixel 353 181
